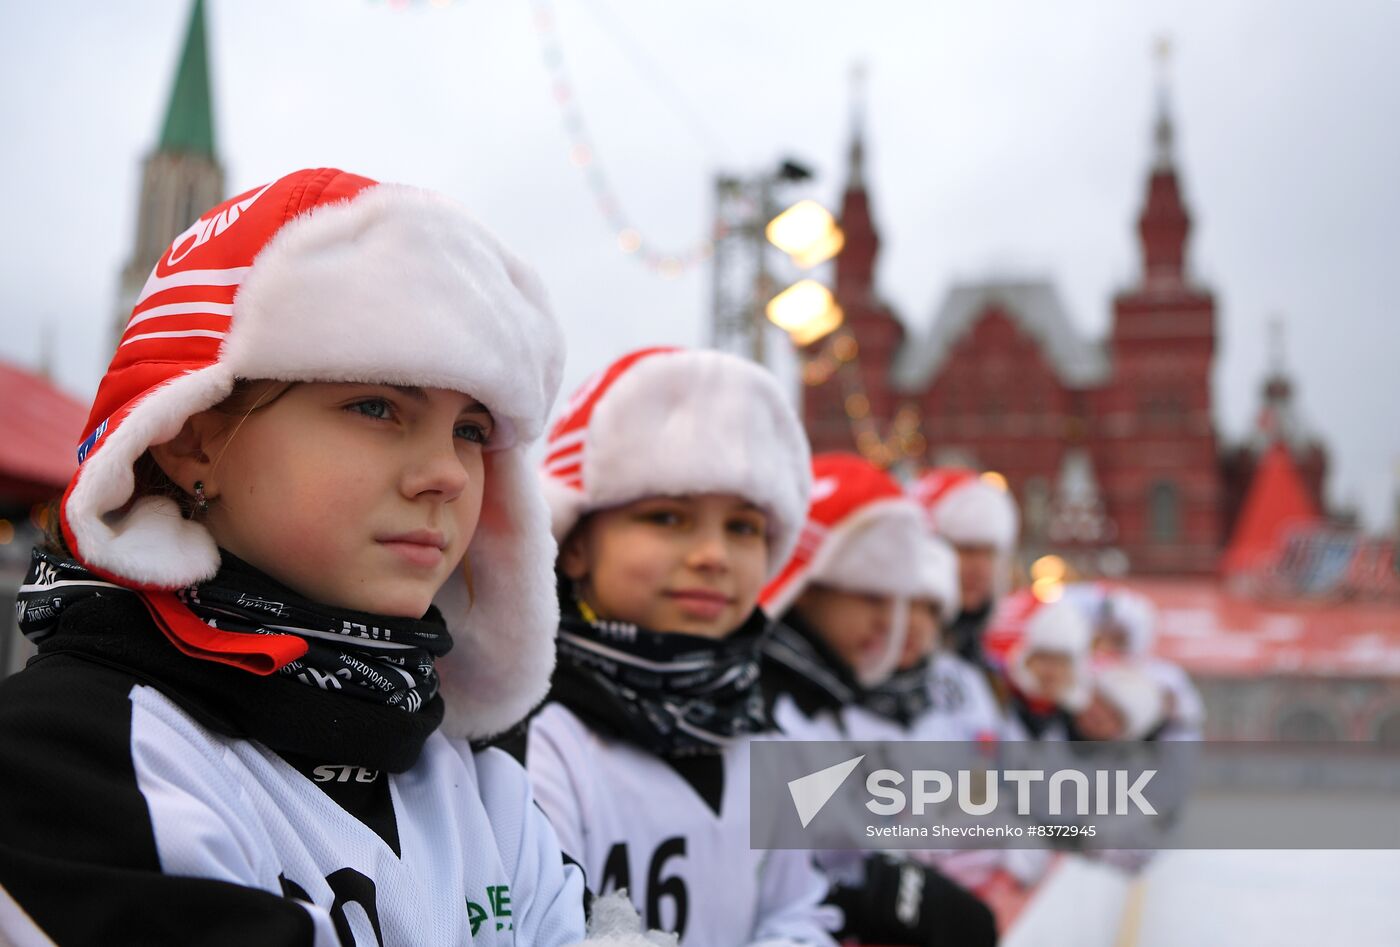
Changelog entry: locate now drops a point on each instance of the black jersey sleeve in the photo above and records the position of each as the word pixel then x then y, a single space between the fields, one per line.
pixel 78 857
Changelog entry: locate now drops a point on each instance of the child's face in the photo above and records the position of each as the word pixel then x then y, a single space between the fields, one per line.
pixel 856 626
pixel 1112 640
pixel 976 575
pixel 1052 671
pixel 692 564
pixel 922 636
pixel 357 496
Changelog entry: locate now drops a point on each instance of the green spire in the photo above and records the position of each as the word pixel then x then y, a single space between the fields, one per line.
pixel 189 120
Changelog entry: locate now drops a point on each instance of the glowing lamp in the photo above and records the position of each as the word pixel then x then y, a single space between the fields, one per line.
pixel 807 232
pixel 806 311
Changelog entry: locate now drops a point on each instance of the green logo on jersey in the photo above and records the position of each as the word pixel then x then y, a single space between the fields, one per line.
pixel 498 900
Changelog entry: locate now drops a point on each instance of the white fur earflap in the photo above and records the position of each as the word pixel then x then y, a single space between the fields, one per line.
pixel 152 544
pixel 938 576
pixel 503 635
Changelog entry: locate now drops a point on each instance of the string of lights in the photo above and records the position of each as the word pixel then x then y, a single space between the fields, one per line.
pixel 406 4
pixel 837 360
pixel 583 155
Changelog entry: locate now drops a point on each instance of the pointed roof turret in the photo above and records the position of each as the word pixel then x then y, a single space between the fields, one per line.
pixel 855 266
pixel 1163 133
pixel 1277 502
pixel 1279 419
pixel 1164 223
pixel 855 180
pixel 189 118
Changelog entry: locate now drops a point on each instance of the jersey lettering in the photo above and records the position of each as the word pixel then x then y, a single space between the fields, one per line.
pixel 617 875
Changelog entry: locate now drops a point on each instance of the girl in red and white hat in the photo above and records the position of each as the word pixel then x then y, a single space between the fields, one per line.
pixel 1124 627
pixel 864 575
pixel 1048 675
pixel 678 481
pixel 301 565
pixel 978 519
pixel 905 705
pixel 842 600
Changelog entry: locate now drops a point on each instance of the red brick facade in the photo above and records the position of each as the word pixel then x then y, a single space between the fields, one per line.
pixel 1107 445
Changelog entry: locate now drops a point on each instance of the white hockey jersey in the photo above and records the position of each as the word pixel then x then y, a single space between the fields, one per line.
pixel 126 820
pixel 634 822
pixel 1187 714
pixel 964 707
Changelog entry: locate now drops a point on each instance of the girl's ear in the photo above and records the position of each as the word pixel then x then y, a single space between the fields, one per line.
pixel 575 556
pixel 187 457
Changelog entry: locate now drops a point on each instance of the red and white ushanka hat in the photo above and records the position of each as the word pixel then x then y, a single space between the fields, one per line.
pixel 1055 628
pixel 965 510
pixel 862 535
pixel 328 276
pixel 673 422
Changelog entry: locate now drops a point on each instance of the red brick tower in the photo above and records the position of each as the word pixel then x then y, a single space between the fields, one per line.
pixel 870 321
pixel 1160 470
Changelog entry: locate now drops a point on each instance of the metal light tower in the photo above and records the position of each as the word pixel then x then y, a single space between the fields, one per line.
pixel 746 223
pixel 738 266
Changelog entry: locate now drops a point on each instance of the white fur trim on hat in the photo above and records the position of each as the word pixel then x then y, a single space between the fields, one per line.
pixel 681 422
pixel 1138 698
pixel 938 576
pixel 975 513
pixel 400 286
pixel 872 551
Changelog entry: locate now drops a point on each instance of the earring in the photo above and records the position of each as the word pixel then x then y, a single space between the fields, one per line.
pixel 201 502
pixel 584 609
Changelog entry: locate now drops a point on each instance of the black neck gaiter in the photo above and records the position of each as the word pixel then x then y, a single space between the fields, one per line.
pixel 362 674
pixel 674 694
pixel 798 662
pixel 904 696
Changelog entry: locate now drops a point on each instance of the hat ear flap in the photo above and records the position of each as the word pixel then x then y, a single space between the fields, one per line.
pixel 503 628
pixel 149 544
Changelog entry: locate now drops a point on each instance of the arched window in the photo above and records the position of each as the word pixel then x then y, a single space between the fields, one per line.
pixel 1163 512
pixel 1388 729
pixel 1307 724
pixel 1035 504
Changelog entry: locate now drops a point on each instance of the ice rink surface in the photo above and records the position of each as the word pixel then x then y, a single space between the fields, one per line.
pixel 1219 899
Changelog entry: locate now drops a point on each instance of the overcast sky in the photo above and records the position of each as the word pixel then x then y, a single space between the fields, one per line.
pixel 1004 139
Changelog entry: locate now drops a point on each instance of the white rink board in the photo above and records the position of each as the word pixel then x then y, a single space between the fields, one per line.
pixel 1219 899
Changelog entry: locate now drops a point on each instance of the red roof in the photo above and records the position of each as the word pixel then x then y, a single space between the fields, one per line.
pixel 1214 634
pixel 39 433
pixel 1277 502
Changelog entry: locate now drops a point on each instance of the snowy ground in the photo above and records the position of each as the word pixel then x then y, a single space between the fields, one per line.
pixel 1220 899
